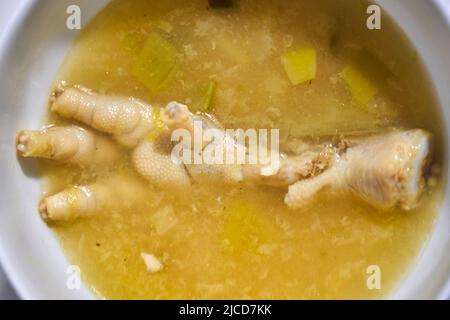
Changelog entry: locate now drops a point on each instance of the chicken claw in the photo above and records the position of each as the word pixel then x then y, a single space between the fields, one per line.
pixel 69 144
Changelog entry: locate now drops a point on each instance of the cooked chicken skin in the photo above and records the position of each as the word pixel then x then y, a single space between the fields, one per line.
pixel 291 168
pixel 386 170
pixel 157 167
pixel 71 144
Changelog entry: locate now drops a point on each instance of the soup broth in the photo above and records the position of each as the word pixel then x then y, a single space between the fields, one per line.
pixel 241 241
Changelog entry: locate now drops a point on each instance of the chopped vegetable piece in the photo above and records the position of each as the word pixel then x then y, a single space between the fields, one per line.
pixel 342 120
pixel 158 126
pixel 247 228
pixel 220 4
pixel 155 63
pixel 300 65
pixel 163 220
pixel 361 87
pixel 152 263
pixel 202 97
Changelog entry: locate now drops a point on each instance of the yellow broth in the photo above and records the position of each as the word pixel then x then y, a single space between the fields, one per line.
pixel 242 241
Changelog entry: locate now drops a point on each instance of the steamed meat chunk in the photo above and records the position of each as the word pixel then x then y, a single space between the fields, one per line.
pixel 386 170
pixel 389 170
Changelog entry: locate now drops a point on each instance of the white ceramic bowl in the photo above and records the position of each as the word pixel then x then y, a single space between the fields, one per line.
pixel 31 51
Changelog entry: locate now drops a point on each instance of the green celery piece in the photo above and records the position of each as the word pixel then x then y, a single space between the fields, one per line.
pixel 155 63
pixel 362 88
pixel 300 65
pixel 202 97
